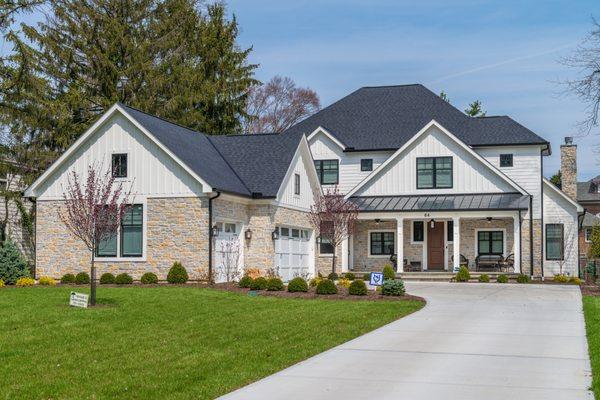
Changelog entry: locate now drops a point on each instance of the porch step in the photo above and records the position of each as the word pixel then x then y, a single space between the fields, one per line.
pixel 449 276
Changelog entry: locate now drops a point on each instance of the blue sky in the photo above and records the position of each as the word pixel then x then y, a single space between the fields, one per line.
pixel 504 53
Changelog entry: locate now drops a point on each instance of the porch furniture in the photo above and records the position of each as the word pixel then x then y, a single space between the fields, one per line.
pixel 413 266
pixel 508 264
pixel 464 261
pixel 488 261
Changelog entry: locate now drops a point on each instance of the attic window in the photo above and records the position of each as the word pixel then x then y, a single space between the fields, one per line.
pixel 366 164
pixel 506 160
pixel 119 165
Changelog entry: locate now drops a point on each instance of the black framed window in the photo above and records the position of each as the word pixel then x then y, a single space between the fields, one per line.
pixel 382 243
pixel 132 232
pixel 107 247
pixel 325 246
pixel 296 184
pixel 434 172
pixel 328 171
pixel 506 160
pixel 450 231
pixel 588 234
pixel 366 164
pixel 555 245
pixel 490 242
pixel 418 231
pixel 119 165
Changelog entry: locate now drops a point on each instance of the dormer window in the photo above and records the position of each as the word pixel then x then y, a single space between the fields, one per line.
pixel 119 165
pixel 434 172
pixel 328 171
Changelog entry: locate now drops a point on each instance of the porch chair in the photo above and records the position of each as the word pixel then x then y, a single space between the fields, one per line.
pixel 464 261
pixel 508 264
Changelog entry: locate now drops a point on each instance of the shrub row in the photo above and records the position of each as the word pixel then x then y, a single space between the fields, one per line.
pixel 177 274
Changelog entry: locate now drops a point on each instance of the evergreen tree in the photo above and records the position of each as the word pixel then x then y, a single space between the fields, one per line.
pixel 444 96
pixel 172 58
pixel 12 264
pixel 475 109
pixel 594 251
pixel 556 179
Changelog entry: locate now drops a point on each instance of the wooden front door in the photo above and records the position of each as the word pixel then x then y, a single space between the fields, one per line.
pixel 435 246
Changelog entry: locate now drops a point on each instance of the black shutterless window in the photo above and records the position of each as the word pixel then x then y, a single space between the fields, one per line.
pixel 450 233
pixel 366 164
pixel 382 243
pixel 119 165
pixel 131 232
pixel 490 242
pixel 506 160
pixel 555 245
pixel 434 172
pixel 328 171
pixel 418 231
pixel 296 184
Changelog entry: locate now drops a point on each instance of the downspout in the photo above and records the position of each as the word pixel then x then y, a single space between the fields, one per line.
pixel 210 237
pixel 520 243
pixel 531 234
pixel 542 212
pixel 580 228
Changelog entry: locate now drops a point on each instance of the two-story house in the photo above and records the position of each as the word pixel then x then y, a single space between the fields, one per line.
pixel 434 187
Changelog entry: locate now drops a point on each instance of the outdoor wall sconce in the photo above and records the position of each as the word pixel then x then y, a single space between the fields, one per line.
pixel 432 224
pixel 489 220
pixel 214 232
pixel 377 221
pixel 275 235
pixel 248 234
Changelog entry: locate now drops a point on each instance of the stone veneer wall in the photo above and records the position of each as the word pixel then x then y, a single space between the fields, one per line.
pixel 177 230
pixel 468 244
pixel 362 261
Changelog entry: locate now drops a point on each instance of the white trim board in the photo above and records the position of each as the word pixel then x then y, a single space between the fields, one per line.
pixel 328 134
pixel 563 195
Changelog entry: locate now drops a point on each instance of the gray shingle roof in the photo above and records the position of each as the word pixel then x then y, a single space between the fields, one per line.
pixel 588 191
pixel 459 202
pixel 590 220
pixel 236 164
pixel 374 118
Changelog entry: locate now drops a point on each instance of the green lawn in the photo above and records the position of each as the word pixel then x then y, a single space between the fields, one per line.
pixel 166 342
pixel 591 309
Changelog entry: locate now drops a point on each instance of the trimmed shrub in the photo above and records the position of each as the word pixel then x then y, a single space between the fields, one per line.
pixel 484 278
pixel 358 288
pixel 388 273
pixel 149 278
pixel 345 282
pixel 333 276
pixel 274 285
pixel 575 280
pixel 393 287
pixel 46 281
pixel 123 279
pixel 107 279
pixel 367 277
pixel 522 278
pixel 502 279
pixel 23 282
pixel 297 285
pixel 315 281
pixel 463 274
pixel 177 274
pixel 67 279
pixel 327 286
pixel 82 278
pixel 259 283
pixel 12 263
pixel 245 282
pixel 1 283
pixel 561 278
pixel 350 276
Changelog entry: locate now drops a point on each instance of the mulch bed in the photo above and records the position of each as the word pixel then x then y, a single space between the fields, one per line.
pixel 588 289
pixel 311 294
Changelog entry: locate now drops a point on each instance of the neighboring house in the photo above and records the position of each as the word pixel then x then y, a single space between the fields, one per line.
pixel 588 195
pixel 441 183
pixel 422 174
pixel 255 190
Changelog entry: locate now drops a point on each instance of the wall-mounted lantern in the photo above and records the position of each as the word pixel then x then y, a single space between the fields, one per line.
pixel 248 234
pixel 275 234
pixel 214 232
pixel 432 224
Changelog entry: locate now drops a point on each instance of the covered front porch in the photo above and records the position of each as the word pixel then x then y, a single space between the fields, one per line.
pixel 417 240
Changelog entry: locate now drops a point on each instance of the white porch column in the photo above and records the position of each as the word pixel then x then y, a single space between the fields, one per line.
pixel 517 242
pixel 456 243
pixel 345 255
pixel 400 243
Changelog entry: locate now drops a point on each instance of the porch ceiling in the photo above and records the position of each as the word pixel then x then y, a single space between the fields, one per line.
pixel 443 202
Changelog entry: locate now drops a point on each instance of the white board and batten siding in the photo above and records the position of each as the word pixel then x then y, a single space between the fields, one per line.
pixel 470 175
pixel 558 210
pixel 350 175
pixel 300 165
pixel 151 172
pixel 526 170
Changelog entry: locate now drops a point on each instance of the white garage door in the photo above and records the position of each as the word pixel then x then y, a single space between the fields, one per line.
pixel 292 252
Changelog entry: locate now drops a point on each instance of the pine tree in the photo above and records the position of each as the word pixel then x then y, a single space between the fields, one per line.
pixel 556 179
pixel 444 96
pixel 172 58
pixel 475 109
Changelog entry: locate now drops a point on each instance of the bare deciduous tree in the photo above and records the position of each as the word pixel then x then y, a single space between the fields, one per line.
pixel 229 270
pixel 277 105
pixel 586 60
pixel 93 211
pixel 333 217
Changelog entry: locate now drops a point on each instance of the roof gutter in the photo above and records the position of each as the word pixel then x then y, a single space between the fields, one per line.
pixel 210 238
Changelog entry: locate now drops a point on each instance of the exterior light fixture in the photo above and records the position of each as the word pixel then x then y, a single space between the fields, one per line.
pixel 248 234
pixel 214 232
pixel 432 224
pixel 377 221
pixel 489 220
pixel 275 235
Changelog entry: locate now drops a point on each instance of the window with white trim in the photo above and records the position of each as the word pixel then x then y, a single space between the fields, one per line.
pixel 381 243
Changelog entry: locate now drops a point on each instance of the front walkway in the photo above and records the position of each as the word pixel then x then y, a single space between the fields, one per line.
pixel 471 341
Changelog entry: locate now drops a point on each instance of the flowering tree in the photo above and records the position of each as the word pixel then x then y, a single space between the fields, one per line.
pixel 333 217
pixel 93 211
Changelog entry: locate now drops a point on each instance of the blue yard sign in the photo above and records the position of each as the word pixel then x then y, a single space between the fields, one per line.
pixel 376 279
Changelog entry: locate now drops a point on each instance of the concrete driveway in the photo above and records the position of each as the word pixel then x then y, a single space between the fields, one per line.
pixel 471 341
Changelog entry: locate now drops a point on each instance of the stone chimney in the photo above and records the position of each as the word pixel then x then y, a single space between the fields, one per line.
pixel 568 167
